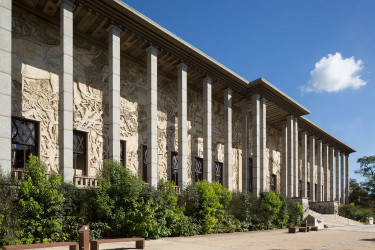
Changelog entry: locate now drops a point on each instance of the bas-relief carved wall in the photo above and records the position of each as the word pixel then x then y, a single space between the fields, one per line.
pixel 35 83
pixel 273 154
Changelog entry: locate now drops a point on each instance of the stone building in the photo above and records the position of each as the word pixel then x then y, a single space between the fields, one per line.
pixel 85 81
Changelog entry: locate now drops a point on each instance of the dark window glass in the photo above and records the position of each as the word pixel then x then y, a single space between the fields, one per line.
pixel 250 175
pixel 24 141
pixel 316 192
pixel 144 163
pixel 273 182
pixel 174 168
pixel 123 153
pixel 219 172
pixel 308 190
pixel 79 153
pixel 300 188
pixel 198 167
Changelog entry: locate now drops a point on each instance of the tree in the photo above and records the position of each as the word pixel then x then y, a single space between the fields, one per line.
pixel 358 195
pixel 367 170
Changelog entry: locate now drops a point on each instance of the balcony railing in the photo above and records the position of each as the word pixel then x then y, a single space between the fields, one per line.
pixel 85 181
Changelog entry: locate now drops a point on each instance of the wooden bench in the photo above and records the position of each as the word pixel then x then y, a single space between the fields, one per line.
pixel 300 229
pixel 314 228
pixel 72 246
pixel 139 242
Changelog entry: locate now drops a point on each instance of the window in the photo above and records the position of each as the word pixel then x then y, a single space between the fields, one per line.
pixel 144 163
pixel 300 188
pixel 219 172
pixel 174 168
pixel 123 153
pixel 273 182
pixel 250 175
pixel 198 167
pixel 24 141
pixel 316 192
pixel 308 190
pixel 79 153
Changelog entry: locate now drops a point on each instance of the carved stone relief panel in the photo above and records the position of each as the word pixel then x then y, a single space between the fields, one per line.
pixel 35 84
pixel 273 154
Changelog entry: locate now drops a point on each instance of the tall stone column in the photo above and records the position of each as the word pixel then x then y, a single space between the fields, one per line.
pixel 296 160
pixel 207 128
pixel 342 192
pixel 304 163
pixel 182 126
pixel 319 165
pixel 337 175
pixel 152 117
pixel 284 159
pixel 263 141
pixel 66 91
pixel 331 173
pixel 325 167
pixel 114 92
pixel 245 145
pixel 291 170
pixel 347 179
pixel 5 86
pixel 228 138
pixel 312 168
pixel 256 143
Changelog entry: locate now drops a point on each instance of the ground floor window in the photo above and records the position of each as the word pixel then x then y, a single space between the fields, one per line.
pixel 24 141
pixel 144 163
pixel 174 168
pixel 123 153
pixel 300 188
pixel 79 153
pixel 219 172
pixel 316 192
pixel 198 168
pixel 308 190
pixel 273 182
pixel 250 175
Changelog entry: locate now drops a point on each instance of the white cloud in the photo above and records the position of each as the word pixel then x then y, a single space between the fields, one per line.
pixel 335 73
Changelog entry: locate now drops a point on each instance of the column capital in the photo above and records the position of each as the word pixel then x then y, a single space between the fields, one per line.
pixel 207 79
pixel 67 4
pixel 182 66
pixel 152 49
pixel 115 28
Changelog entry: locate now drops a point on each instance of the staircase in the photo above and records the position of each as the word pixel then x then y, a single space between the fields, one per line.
pixel 333 220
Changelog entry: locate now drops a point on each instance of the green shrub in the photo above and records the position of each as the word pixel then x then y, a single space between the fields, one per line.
pixel 354 212
pixel 242 208
pixel 295 214
pixel 269 205
pixel 282 218
pixel 41 203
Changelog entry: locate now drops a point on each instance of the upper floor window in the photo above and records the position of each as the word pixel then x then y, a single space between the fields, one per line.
pixel 198 168
pixel 123 153
pixel 24 141
pixel 219 172
pixel 144 163
pixel 174 167
pixel 273 182
pixel 79 153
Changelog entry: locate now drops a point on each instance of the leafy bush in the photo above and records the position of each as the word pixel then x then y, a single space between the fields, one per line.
pixel 282 218
pixel 295 213
pixel 242 207
pixel 269 205
pixel 41 203
pixel 354 212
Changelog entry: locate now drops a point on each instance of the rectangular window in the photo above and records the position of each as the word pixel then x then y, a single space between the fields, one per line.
pixel 250 174
pixel 316 192
pixel 79 153
pixel 308 190
pixel 144 163
pixel 300 188
pixel 219 172
pixel 24 141
pixel 198 167
pixel 123 153
pixel 174 168
pixel 273 182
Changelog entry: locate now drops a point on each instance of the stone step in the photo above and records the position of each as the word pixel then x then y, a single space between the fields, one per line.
pixel 334 220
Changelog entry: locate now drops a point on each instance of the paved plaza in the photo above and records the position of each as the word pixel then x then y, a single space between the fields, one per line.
pixel 351 237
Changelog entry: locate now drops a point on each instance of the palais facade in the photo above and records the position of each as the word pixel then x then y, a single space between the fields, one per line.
pixel 82 82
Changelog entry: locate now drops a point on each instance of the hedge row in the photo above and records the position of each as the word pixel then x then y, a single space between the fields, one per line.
pixel 124 206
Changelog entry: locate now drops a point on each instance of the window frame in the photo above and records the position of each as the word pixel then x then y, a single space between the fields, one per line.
pixel 123 152
pixel 273 183
pixel 198 176
pixel 36 140
pixel 172 168
pixel 143 169
pixel 250 174
pixel 86 169
pixel 221 171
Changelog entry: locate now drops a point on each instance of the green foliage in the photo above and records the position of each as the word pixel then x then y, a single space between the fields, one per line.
pixel 241 208
pixel 354 212
pixel 367 170
pixel 41 203
pixel 269 205
pixel 295 214
pixel 282 218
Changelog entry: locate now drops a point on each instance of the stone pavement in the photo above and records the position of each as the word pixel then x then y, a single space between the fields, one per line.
pixel 350 237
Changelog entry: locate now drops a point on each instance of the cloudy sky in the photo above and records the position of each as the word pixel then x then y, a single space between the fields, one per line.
pixel 320 53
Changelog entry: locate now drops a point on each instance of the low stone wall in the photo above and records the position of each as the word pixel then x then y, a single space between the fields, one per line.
pixel 305 204
pixel 325 207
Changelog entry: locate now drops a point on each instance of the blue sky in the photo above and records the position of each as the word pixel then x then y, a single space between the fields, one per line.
pixel 282 41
